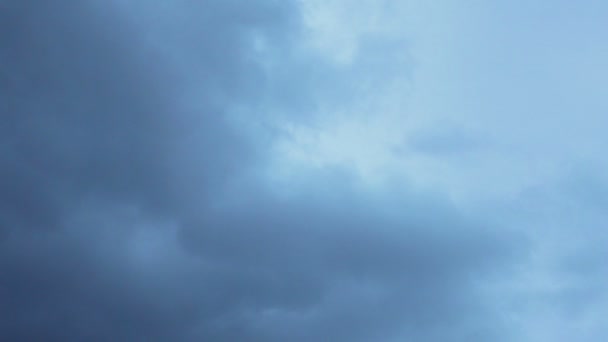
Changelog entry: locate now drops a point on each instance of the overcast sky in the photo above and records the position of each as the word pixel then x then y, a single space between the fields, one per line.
pixel 303 170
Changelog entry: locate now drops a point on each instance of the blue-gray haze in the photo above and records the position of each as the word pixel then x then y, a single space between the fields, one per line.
pixel 303 170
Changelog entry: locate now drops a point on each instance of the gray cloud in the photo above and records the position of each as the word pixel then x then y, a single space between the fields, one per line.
pixel 130 208
pixel 348 267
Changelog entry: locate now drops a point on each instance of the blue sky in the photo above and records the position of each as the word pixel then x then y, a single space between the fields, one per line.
pixel 303 170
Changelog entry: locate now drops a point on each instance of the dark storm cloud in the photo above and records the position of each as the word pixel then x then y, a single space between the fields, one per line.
pixel 348 267
pixel 90 107
pixel 122 217
pixel 81 112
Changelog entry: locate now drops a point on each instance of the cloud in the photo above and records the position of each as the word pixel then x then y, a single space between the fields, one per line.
pixel 149 192
pixel 327 263
pixel 97 119
pixel 560 291
pixel 339 264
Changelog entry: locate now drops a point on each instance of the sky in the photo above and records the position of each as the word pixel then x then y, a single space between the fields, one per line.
pixel 303 170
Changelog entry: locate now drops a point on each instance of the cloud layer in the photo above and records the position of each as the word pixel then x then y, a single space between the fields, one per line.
pixel 209 171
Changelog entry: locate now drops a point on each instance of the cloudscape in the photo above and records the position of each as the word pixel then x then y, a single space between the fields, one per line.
pixel 303 170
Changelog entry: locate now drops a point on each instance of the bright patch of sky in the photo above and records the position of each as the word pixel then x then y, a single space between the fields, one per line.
pixel 493 91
